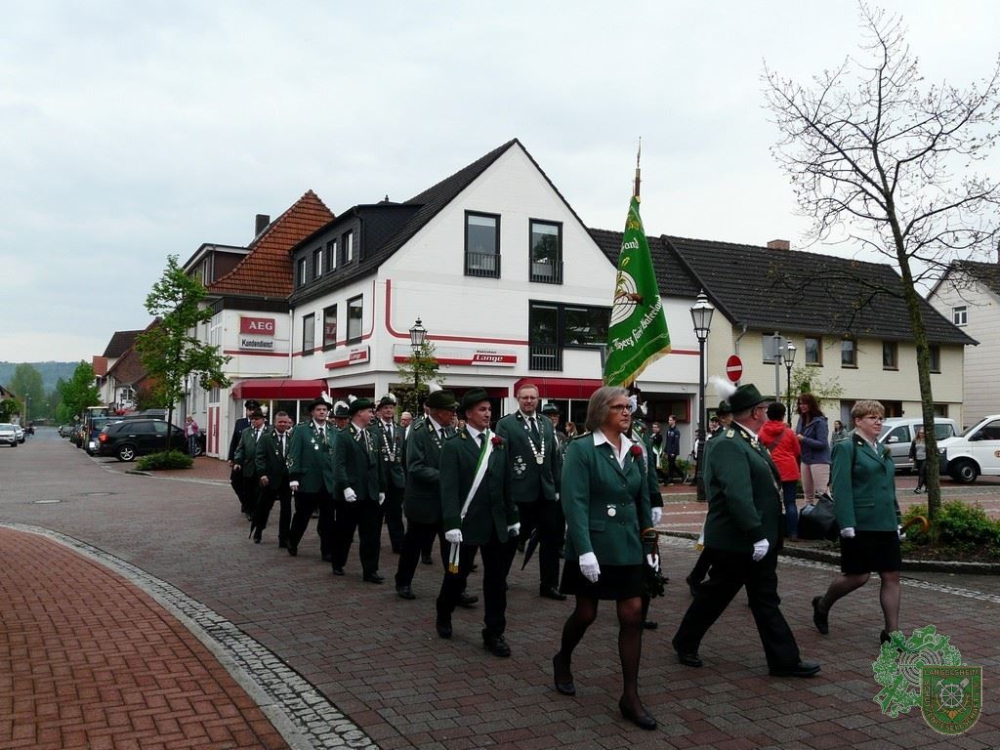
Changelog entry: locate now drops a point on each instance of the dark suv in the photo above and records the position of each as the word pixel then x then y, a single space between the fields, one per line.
pixel 138 437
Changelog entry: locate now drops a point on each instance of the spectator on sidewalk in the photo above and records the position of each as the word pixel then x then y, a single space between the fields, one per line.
pixel 672 448
pixel 191 433
pixel 813 432
pixel 784 448
pixel 918 454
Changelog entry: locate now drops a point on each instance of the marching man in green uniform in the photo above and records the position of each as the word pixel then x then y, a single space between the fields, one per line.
pixel 389 437
pixel 535 471
pixel 742 538
pixel 272 468
pixel 479 514
pixel 310 473
pixel 244 460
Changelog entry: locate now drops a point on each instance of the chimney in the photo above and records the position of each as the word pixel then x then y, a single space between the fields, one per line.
pixel 779 245
pixel 261 224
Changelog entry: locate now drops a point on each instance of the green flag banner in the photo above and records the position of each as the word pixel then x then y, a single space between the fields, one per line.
pixel 638 335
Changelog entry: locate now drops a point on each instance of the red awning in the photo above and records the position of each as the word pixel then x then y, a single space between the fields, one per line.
pixel 278 389
pixel 561 387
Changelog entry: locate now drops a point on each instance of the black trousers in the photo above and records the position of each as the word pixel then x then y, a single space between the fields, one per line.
pixel 393 511
pixel 251 491
pixel 497 557
pixel 306 503
pixel 729 572
pixel 673 469
pixel 364 515
pixel 418 536
pixel 547 517
pixel 265 502
pixel 236 482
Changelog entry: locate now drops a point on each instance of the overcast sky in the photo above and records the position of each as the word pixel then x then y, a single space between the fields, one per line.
pixel 130 131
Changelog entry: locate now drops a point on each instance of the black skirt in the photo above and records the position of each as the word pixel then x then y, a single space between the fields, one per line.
pixel 870 551
pixel 615 583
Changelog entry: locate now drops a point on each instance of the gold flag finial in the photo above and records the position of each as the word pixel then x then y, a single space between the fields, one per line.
pixel 638 157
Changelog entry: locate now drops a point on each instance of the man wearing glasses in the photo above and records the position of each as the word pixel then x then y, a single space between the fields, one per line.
pixel 742 537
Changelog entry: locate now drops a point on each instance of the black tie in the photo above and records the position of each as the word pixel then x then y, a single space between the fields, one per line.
pixel 281 441
pixel 482 439
pixel 534 430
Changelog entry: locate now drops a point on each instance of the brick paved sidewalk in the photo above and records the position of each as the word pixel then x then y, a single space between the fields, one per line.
pixel 87 660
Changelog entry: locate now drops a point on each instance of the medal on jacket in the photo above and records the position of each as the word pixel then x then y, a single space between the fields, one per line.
pixel 538 453
pixel 390 446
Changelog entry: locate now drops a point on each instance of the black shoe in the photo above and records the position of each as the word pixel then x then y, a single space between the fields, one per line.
pixel 338 571
pixel 328 558
pixel 496 645
pixel 650 624
pixel 467 601
pixel 802 669
pixel 373 578
pixel 282 544
pixel 883 637
pixel 427 560
pixel 643 721
pixel 405 592
pixel 551 592
pixel 820 619
pixel 443 627
pixel 564 688
pixel 293 550
pixel 256 537
pixel 689 659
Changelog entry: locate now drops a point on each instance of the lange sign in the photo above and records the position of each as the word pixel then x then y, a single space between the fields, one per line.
pixel 257 326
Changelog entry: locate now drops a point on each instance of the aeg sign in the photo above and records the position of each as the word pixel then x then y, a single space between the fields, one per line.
pixel 257 326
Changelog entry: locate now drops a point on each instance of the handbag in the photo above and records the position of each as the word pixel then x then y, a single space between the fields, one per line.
pixel 818 521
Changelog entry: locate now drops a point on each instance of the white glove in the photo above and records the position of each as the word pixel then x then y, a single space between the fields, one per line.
pixel 847 533
pixel 350 496
pixel 653 562
pixel 589 566
pixel 294 485
pixel 557 497
pixel 760 549
pixel 657 515
pixel 453 536
pixel 902 535
pixel 381 498
pixel 514 529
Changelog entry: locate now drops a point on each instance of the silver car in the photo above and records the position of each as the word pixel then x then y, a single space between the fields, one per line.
pixel 898 432
pixel 8 435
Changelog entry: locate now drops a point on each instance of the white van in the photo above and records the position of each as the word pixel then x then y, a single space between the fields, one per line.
pixel 976 452
pixel 898 432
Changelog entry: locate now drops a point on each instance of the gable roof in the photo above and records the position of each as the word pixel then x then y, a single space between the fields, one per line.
pixel 266 271
pixel 790 290
pixel 672 277
pixel 128 369
pixel 987 274
pixel 120 341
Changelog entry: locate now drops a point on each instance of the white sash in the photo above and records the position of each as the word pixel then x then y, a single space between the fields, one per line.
pixel 484 457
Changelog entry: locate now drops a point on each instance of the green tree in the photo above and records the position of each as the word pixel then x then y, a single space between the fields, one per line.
pixel 416 374
pixel 169 350
pixel 77 393
pixel 879 158
pixel 26 385
pixel 806 380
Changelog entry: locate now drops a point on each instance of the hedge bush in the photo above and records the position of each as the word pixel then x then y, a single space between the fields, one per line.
pixel 167 460
pixel 957 525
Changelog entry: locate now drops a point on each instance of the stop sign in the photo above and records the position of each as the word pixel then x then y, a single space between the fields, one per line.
pixel 734 368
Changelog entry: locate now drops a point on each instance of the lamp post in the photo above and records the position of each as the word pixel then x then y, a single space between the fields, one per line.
pixel 701 317
pixel 418 334
pixel 789 361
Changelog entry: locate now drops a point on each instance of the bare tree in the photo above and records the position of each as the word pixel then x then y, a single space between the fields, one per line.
pixel 878 158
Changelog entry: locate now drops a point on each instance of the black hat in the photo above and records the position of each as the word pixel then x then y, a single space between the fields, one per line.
pixel 251 404
pixel 724 407
pixel 387 400
pixel 442 400
pixel 340 410
pixel 473 397
pixel 257 414
pixel 550 408
pixel 360 403
pixel 745 397
pixel 318 401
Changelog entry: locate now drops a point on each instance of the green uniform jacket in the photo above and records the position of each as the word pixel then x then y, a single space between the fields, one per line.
pixel 742 485
pixel 606 506
pixel 390 453
pixel 310 457
pixel 531 480
pixel 422 498
pixel 357 464
pixel 246 451
pixel 864 487
pixel 492 507
pixel 268 458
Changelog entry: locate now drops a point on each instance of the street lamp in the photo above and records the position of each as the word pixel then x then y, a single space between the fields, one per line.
pixel 779 344
pixel 789 361
pixel 418 334
pixel 701 317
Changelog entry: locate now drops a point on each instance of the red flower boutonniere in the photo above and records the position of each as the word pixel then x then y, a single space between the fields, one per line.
pixel 497 442
pixel 636 451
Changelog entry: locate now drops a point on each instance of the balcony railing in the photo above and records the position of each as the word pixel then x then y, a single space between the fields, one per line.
pixel 545 357
pixel 483 265
pixel 547 272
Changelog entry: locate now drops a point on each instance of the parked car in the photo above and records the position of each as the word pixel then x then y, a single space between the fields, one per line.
pixel 8 435
pixel 975 453
pixel 76 437
pixel 19 432
pixel 130 438
pixel 898 432
pixel 94 427
pixel 65 430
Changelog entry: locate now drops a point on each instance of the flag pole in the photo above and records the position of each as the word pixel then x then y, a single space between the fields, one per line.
pixel 638 156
